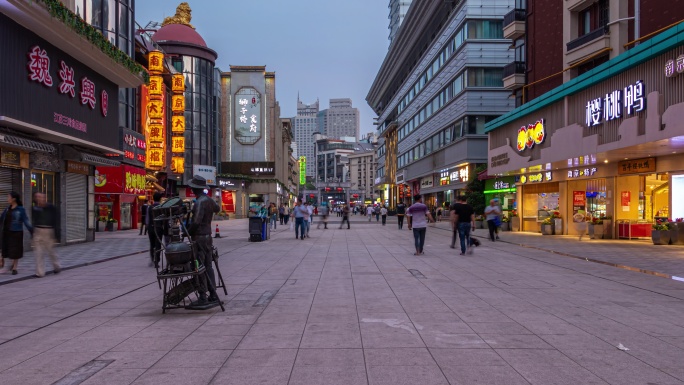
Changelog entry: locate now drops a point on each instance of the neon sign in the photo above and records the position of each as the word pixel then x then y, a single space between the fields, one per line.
pixel 531 135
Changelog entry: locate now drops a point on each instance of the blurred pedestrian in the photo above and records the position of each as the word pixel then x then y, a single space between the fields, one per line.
pixel 418 218
pixel 45 221
pixel 13 220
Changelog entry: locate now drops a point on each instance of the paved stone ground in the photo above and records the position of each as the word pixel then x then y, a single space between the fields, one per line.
pixel 348 310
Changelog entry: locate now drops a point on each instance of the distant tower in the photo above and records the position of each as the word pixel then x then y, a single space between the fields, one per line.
pixel 397 11
pixel 304 126
pixel 340 120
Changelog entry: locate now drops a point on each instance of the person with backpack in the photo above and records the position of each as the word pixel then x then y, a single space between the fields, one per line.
pixel 376 211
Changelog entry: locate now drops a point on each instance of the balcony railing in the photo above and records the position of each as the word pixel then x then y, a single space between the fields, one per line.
pixel 582 40
pixel 514 15
pixel 517 67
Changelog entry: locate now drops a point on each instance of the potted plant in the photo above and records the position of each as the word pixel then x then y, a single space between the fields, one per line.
pixel 557 222
pixel 597 224
pixel 660 235
pixel 101 223
pixel 478 221
pixel 112 224
pixel 607 227
pixel 515 220
pixel 505 223
pixel 547 226
pixel 677 232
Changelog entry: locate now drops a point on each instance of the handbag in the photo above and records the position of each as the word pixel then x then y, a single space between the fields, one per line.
pixel 497 221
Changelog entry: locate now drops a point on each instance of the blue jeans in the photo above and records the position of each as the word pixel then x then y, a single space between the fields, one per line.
pixel 419 239
pixel 307 226
pixel 274 219
pixel 299 224
pixel 463 234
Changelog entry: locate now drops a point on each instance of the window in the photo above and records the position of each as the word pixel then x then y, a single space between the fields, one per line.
pixel 585 22
pixel 485 77
pixel 485 29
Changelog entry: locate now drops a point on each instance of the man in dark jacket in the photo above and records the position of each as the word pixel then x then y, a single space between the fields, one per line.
pixel 200 230
pixel 45 219
pixel 155 230
pixel 143 217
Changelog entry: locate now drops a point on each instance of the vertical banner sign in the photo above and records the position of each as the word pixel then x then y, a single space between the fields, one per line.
pixel 154 117
pixel 178 123
pixel 579 203
pixel 302 170
pixel 625 200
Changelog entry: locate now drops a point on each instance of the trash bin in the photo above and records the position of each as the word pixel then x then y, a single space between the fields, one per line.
pixel 255 232
pixel 264 229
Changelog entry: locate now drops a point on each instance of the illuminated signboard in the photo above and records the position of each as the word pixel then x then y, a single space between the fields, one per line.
pixel 178 124
pixel 605 109
pixel 537 178
pixel 461 175
pixel 178 83
pixel 177 164
pixel 178 144
pixel 579 173
pixel 674 68
pixel 531 135
pixel 156 62
pixel 302 170
pixel 247 115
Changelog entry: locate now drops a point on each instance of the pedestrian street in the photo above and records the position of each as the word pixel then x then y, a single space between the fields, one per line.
pixel 352 307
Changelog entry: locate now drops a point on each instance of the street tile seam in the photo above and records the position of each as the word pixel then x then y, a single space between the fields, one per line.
pixel 75 266
pixel 77 313
pixel 568 255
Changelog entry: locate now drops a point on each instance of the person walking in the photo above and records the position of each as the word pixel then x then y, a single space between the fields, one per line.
pixel 369 212
pixel 281 214
pixel 401 211
pixel 273 215
pixel 324 211
pixel 45 221
pixel 492 213
pixel 383 214
pixel 376 211
pixel 345 216
pixel 463 220
pixel 13 220
pixel 143 217
pixel 307 217
pixel 155 230
pixel 418 218
pixel 438 218
pixel 298 213
pixel 286 213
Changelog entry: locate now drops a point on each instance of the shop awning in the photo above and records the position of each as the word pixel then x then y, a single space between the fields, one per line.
pixel 99 160
pixel 25 144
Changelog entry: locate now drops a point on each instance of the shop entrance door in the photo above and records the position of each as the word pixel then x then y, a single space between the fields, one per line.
pixel 125 216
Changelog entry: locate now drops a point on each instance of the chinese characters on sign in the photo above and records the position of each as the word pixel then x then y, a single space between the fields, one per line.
pixel 155 87
pixel 135 182
pixel 610 107
pixel 207 172
pixel 178 124
pixel 302 170
pixel 178 103
pixel 444 178
pixel 461 175
pixel 39 71
pixel 177 164
pixel 582 172
pixel 426 182
pixel 178 144
pixel 69 122
pixel 155 157
pixel 154 121
pixel 178 83
pixel 537 178
pixel 637 166
pixel 248 116
pixel 265 170
pixel 500 185
pixel 156 62
pixel 531 135
pixel 674 67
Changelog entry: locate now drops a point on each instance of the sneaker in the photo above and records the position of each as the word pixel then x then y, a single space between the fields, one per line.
pixel 452 246
pixel 14 272
pixel 57 270
pixel 461 253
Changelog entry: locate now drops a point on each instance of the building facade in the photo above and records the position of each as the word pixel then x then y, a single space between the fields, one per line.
pixel 621 115
pixel 437 87
pixel 256 142
pixel 304 125
pixel 362 174
pixel 54 149
pixel 340 120
pixel 397 12
pixel 189 55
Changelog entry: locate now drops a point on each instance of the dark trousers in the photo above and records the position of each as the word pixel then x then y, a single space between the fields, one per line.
pixel 203 250
pixel 299 224
pixel 384 219
pixel 377 217
pixel 492 229
pixel 345 218
pixel 464 235
pixel 419 239
pixel 454 235
pixel 282 218
pixel 287 219
pixel 400 220
pixel 143 226
pixel 155 245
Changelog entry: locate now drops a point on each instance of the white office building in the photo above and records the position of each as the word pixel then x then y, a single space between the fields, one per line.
pixel 304 126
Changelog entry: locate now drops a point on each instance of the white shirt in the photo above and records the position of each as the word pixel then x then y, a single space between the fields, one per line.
pixel 383 211
pixel 369 211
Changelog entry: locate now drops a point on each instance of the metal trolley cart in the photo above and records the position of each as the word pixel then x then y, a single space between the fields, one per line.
pixel 179 275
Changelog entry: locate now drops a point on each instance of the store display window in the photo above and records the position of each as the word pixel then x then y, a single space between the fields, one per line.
pixel 43 182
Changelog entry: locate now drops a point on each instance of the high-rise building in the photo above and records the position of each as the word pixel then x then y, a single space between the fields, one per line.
pixel 304 125
pixel 339 120
pixel 440 82
pixel 397 12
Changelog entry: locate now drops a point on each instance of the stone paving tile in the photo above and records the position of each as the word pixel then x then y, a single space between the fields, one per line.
pixel 114 376
pixel 346 303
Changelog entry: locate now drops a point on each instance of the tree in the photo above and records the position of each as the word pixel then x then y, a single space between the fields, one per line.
pixel 474 191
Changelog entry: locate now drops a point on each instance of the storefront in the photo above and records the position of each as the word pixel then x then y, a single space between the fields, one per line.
pixel 441 190
pixel 229 189
pixel 117 190
pixel 59 116
pixel 504 190
pixel 607 145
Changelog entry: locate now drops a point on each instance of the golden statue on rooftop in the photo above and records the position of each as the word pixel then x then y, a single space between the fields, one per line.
pixel 182 16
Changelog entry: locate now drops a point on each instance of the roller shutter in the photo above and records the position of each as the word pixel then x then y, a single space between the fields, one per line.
pixel 76 207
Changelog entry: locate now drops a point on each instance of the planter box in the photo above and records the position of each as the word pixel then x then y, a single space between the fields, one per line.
pixel 478 224
pixel 505 226
pixel 558 226
pixel 101 226
pixel 660 237
pixel 515 223
pixel 547 229
pixel 607 229
pixel 598 231
pixel 677 234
